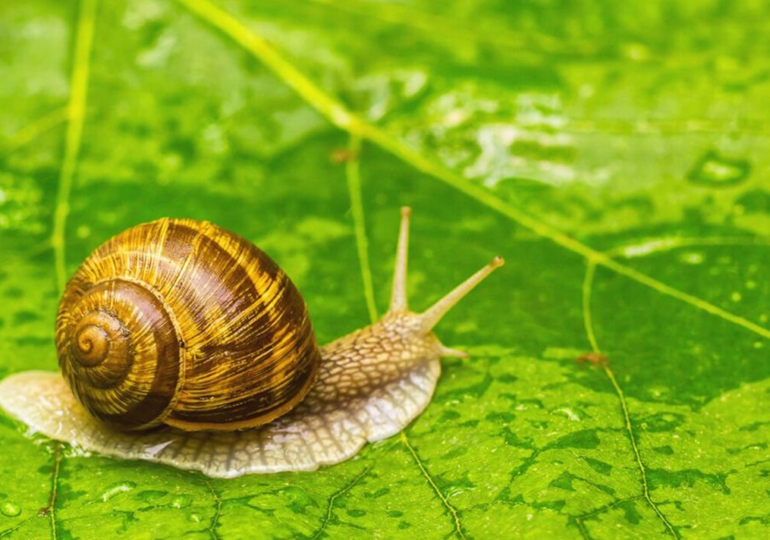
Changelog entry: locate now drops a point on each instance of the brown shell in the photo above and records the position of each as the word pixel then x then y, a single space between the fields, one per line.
pixel 183 323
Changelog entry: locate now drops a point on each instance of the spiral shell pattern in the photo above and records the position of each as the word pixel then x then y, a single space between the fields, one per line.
pixel 183 323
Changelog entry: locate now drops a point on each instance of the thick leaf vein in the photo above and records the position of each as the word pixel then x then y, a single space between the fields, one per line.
pixel 346 120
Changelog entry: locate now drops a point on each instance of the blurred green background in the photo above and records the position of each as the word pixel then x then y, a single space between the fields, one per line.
pixel 615 153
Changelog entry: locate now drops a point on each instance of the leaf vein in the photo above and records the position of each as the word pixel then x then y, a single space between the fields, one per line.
pixel 13 529
pixel 452 510
pixel 217 509
pixel 658 245
pixel 580 520
pixel 354 187
pixel 334 496
pixel 76 109
pixel 336 112
pixel 33 130
pixel 57 459
pixel 353 175
pixel 589 327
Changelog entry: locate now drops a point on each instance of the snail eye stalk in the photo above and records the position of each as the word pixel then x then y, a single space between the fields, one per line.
pixel 398 300
pixel 431 316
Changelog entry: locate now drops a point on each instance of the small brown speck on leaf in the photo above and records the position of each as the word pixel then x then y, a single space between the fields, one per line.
pixel 592 358
pixel 342 155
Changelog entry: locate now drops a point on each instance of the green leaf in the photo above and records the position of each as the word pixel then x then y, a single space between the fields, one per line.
pixel 613 153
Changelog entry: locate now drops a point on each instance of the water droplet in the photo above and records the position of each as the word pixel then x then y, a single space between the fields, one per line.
pixel 570 414
pixel 116 489
pixel 195 518
pixel 10 509
pixel 736 297
pixel 715 170
pixel 150 496
pixel 181 501
pixel 691 257
pixel 635 51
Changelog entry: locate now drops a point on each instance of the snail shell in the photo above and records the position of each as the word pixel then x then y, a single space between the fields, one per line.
pixel 245 355
pixel 183 323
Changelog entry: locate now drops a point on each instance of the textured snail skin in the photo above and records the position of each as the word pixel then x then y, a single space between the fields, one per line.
pixel 370 385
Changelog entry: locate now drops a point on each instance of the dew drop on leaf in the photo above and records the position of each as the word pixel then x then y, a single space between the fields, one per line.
pixel 116 489
pixel 716 170
pixel 181 501
pixel 10 509
pixel 692 257
pixel 150 496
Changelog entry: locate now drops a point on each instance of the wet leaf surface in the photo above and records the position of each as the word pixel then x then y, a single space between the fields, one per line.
pixel 618 166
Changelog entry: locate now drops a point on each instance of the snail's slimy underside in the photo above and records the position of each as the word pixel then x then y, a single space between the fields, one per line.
pixel 303 440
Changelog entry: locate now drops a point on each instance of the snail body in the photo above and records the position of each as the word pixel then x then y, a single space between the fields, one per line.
pixel 245 389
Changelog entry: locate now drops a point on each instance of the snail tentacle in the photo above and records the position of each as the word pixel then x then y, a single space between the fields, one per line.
pixel 399 300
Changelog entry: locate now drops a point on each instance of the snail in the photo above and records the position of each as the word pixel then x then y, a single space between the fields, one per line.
pixel 182 343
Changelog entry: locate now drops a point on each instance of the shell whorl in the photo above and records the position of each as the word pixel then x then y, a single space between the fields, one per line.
pixel 183 323
pixel 119 349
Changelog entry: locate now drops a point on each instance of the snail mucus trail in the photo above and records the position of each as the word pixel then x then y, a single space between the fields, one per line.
pixel 369 385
